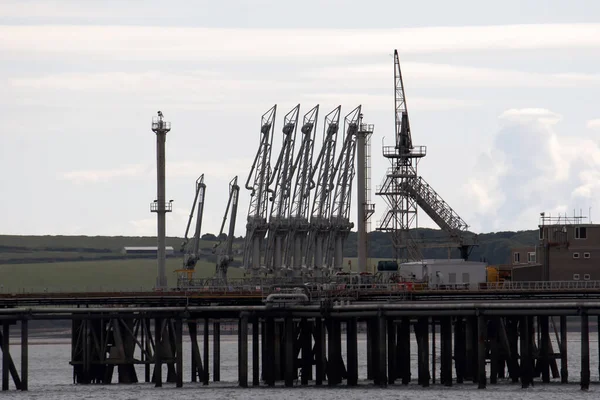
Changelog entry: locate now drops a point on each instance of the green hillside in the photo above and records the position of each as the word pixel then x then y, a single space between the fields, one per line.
pixel 86 263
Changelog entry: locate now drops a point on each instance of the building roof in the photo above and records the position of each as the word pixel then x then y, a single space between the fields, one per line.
pixel 145 248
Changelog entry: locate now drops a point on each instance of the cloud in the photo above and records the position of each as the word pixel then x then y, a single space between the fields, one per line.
pixel 221 169
pixel 437 75
pixel 594 124
pixel 99 175
pixel 175 43
pixel 532 168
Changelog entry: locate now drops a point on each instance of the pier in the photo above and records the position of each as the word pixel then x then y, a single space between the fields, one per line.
pixel 293 342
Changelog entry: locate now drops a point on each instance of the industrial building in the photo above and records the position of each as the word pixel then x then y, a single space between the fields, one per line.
pixel 146 251
pixel 568 250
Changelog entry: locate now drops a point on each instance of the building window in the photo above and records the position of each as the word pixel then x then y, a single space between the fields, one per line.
pixel 581 232
pixel 452 277
pixel 586 277
pixel 465 277
pixel 575 277
pixel 575 255
pixel 531 257
pixel 541 233
pixel 586 255
pixel 517 257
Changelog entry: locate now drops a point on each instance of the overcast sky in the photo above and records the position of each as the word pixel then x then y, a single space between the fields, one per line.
pixel 505 95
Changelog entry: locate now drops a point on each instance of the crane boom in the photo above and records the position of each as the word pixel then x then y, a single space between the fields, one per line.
pixel 340 210
pixel 225 255
pixel 280 197
pixel 299 212
pixel 256 227
pixel 319 216
pixel 191 251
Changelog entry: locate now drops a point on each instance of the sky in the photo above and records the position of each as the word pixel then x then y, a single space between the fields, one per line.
pixel 503 94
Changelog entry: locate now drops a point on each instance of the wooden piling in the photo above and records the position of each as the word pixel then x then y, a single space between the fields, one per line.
pixel 216 351
pixel 243 351
pixel 352 351
pixel 179 351
pixel 158 352
pixel 585 351
pixel 290 356
pixel 403 344
pixel 481 352
pixel 206 339
pixel 391 354
pixel 306 333
pixel 544 360
pixel 255 353
pixel 446 351
pixel 564 367
pixel 24 354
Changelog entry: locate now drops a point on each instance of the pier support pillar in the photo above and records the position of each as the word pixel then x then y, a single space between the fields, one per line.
pixel 585 351
pixel 370 349
pixel 459 349
pixel 382 350
pixel 544 360
pixel 446 350
pixel 320 362
pixel 352 351
pixel 306 333
pixel 216 351
pixel 206 338
pixel 255 352
pixel 564 366
pixel 481 352
pixel 495 359
pixel 391 351
pixel 403 350
pixel 422 333
pixel 5 354
pixel 243 351
pixel 158 352
pixel 290 355
pixel 24 354
pixel 179 351
pixel 195 349
pixel 526 354
pixel 269 348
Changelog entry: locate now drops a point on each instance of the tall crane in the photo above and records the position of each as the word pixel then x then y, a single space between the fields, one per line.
pixel 403 189
pixel 319 217
pixel 279 223
pixel 299 212
pixel 191 251
pixel 225 255
pixel 340 224
pixel 260 173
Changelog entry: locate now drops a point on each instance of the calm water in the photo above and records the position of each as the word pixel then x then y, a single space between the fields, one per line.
pixel 51 377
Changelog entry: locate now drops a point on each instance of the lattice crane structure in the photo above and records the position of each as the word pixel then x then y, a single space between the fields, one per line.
pixel 299 214
pixel 319 226
pixel 191 251
pixel 404 190
pixel 260 175
pixel 279 221
pixel 339 220
pixel 225 253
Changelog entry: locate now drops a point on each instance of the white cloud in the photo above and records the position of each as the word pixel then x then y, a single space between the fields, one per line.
pixel 174 43
pixel 532 168
pixel 99 175
pixel 534 115
pixel 594 124
pixel 225 169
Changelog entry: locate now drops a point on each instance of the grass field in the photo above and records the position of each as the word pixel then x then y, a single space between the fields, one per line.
pixel 118 275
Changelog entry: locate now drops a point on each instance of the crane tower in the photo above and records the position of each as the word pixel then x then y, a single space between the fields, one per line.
pixel 319 226
pixel 404 190
pixel 279 223
pixel 260 174
pixel 299 212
